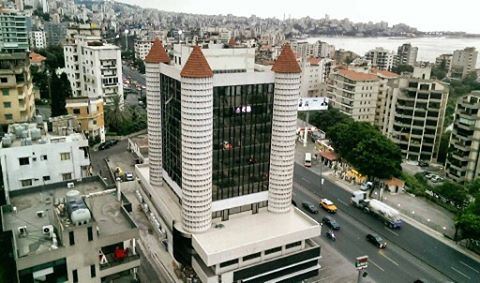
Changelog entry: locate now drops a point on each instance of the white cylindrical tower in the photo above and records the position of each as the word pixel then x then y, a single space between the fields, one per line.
pixel 284 124
pixel 153 62
pixel 197 140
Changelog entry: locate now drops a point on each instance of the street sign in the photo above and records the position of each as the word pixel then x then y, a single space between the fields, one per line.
pixel 361 262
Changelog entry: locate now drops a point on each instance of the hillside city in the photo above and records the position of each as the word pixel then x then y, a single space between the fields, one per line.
pixel 140 145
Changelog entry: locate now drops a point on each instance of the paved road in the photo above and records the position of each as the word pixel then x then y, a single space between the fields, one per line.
pixel 97 159
pixel 410 254
pixel 133 74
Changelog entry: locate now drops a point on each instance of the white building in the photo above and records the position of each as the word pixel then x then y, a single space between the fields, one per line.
pixel 31 157
pixel 464 62
pixel 94 69
pixel 406 55
pixel 381 58
pixel 315 71
pixel 38 39
pixel 142 48
pixel 202 197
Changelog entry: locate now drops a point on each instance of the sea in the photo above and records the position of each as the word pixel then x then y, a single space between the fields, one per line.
pixel 428 47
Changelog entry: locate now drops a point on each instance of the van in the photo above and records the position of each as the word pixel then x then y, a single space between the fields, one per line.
pixel 308 160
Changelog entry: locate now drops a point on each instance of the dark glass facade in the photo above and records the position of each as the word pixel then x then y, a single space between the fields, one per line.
pixel 171 128
pixel 242 129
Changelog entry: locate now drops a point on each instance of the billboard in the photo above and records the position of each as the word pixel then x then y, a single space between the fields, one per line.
pixel 312 103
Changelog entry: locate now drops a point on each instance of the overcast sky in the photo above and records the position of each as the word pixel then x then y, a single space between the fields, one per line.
pixel 426 15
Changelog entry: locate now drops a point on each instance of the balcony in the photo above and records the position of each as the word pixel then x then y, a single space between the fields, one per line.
pixel 114 266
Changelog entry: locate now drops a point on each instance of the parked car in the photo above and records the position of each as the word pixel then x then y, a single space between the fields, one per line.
pixel 366 186
pixel 103 146
pixel 377 241
pixel 310 207
pixel 328 205
pixel 422 163
pixel 429 176
pixel 129 176
pixel 330 223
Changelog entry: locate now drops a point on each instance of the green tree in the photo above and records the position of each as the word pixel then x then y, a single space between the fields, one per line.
pixel 40 79
pixel 138 63
pixel 115 116
pixel 456 193
pixel 443 148
pixel 402 68
pixel 469 226
pixel 324 120
pixel 59 91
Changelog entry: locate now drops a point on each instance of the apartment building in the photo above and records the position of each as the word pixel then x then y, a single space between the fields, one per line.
pixel 464 62
pixel 30 156
pixel 74 30
pixel 55 33
pixel 233 178
pixel 463 159
pixel 444 60
pixel 406 55
pixel 383 108
pixel 417 113
pixel 38 39
pixel 142 48
pixel 94 69
pixel 315 71
pixel 320 49
pixel 381 58
pixel 14 32
pixel 17 103
pixel 89 116
pixel 354 93
pixel 77 231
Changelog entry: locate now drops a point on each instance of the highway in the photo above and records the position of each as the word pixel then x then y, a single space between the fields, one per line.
pixel 133 74
pixel 410 254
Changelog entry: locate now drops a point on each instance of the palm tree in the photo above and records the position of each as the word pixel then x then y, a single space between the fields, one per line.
pixel 116 116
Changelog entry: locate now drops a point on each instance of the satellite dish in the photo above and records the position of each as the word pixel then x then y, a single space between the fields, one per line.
pixel 180 32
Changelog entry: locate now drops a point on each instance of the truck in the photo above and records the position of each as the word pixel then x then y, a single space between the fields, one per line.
pixel 389 215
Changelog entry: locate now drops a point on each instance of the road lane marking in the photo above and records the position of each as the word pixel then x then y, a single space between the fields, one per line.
pixel 390 230
pixel 469 267
pixel 459 272
pixel 306 180
pixel 342 202
pixel 388 258
pixel 378 266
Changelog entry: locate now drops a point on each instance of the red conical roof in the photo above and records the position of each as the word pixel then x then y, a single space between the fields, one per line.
pixel 196 65
pixel 286 61
pixel 157 53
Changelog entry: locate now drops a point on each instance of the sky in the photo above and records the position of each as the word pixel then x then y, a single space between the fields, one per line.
pixel 426 15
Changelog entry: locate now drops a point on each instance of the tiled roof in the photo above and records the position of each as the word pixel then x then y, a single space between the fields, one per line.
pixel 386 74
pixel 286 61
pixel 157 54
pixel 36 58
pixel 357 76
pixel 196 65
pixel 313 61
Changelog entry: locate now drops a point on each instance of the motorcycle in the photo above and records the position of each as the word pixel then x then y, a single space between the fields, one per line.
pixel 331 235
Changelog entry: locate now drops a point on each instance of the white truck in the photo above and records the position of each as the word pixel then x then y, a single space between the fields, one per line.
pixel 389 215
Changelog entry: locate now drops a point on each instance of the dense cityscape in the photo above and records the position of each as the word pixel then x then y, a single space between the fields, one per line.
pixel 144 145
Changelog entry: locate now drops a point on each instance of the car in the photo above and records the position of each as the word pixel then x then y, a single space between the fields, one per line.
pixel 377 241
pixel 129 176
pixel 328 205
pixel 103 146
pixel 366 186
pixel 310 207
pixel 422 163
pixel 330 223
pixel 111 143
pixel 429 176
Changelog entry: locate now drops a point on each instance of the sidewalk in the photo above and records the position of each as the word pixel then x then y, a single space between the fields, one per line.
pixel 419 212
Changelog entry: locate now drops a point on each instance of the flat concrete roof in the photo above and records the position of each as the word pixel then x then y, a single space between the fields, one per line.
pixel 246 233
pixel 105 209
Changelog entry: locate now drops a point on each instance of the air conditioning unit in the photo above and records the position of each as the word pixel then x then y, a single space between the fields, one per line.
pixel 40 213
pixel 22 231
pixel 70 185
pixel 47 229
pixel 34 159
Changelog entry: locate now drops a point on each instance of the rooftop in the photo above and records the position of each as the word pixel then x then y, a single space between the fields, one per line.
pixel 286 61
pixel 357 76
pixel 157 53
pixel 247 233
pixel 105 209
pixel 36 58
pixel 196 65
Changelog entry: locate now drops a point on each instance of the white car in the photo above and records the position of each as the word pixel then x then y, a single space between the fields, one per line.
pixel 129 176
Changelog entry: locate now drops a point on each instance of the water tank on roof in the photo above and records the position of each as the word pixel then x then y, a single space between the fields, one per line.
pixel 36 134
pixel 80 216
pixel 28 141
pixel 38 119
pixel 18 130
pixel 24 134
pixel 6 141
pixel 72 195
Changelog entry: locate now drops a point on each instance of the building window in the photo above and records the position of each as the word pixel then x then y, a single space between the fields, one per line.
pixel 252 256
pixel 65 156
pixel 274 250
pixel 5 91
pixel 7 105
pixel 26 183
pixel 3 80
pixel 227 263
pixel 46 178
pixel 76 111
pixel 66 176
pixel 71 238
pixel 93 272
pixel 24 161
pixel 90 234
pixel 295 244
pixel 74 275
pixel 8 117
